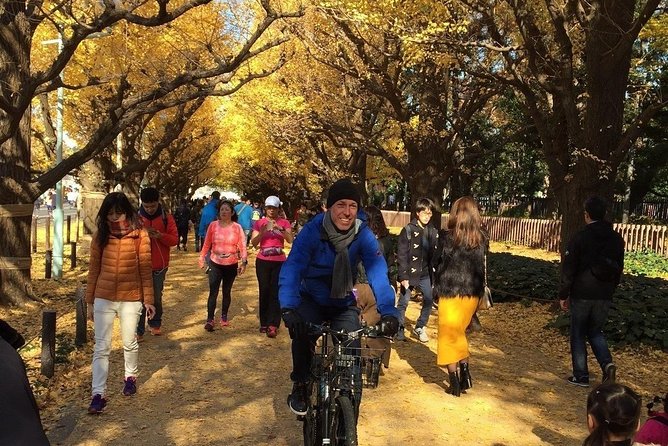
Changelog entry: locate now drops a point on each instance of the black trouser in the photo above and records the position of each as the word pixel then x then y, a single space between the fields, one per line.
pixel 225 274
pixel 340 318
pixel 267 279
pixel 183 236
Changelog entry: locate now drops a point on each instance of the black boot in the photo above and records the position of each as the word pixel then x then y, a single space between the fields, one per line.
pixel 454 384
pixel 465 381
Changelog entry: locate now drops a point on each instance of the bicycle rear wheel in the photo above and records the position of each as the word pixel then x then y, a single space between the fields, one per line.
pixel 343 427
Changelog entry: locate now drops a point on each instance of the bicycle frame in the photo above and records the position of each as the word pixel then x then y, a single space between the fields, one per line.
pixel 335 388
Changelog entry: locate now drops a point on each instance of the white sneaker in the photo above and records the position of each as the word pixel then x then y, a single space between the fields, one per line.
pixel 421 333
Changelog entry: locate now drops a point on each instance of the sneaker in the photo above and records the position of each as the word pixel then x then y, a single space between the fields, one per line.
pixel 185 248
pixel 297 399
pixel 155 331
pixel 263 329
pixel 97 404
pixel 223 321
pixel 400 336
pixel 139 338
pixel 208 326
pixel 421 333
pixel 609 373
pixel 582 382
pixel 130 387
pixel 272 331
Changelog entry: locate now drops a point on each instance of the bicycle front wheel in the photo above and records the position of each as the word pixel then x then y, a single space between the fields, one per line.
pixel 311 428
pixel 343 427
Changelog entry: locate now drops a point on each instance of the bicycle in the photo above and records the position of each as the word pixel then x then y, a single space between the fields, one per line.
pixel 339 370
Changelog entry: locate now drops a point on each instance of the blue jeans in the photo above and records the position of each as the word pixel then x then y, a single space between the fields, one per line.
pixel 427 302
pixel 588 317
pixel 158 286
pixel 339 318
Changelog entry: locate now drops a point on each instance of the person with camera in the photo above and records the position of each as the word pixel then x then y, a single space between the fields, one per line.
pixel 316 281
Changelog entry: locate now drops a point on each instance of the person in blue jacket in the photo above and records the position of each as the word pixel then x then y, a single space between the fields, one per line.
pixel 316 281
pixel 208 215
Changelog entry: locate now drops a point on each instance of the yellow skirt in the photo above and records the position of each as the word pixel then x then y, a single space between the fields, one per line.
pixel 454 315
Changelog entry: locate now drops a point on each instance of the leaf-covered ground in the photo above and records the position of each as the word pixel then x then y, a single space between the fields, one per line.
pixel 230 386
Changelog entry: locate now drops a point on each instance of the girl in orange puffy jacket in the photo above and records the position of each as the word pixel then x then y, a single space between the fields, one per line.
pixel 119 283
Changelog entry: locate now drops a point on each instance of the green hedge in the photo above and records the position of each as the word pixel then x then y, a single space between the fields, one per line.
pixel 639 313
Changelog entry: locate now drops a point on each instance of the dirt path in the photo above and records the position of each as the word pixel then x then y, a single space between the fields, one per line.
pixel 229 387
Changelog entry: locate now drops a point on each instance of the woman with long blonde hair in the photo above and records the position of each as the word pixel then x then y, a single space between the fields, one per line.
pixel 459 283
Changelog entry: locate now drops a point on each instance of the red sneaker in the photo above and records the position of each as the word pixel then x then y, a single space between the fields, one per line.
pixel 272 331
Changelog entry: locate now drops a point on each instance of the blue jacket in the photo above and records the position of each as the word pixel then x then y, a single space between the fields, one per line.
pixel 308 269
pixel 244 212
pixel 209 214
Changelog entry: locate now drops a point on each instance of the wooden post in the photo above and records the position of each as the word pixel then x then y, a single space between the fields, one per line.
pixel 81 312
pixel 47 264
pixel 73 255
pixel 68 228
pixel 35 221
pixel 48 342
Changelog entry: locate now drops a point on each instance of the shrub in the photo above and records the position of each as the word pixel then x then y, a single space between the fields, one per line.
pixel 639 313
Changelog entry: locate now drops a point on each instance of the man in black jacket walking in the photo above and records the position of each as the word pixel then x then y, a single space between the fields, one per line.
pixel 591 270
pixel 416 256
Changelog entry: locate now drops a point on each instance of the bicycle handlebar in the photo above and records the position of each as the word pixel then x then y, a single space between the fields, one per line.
pixel 368 331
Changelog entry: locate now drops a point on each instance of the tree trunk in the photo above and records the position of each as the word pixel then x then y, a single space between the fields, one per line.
pixel 17 194
pixel 423 185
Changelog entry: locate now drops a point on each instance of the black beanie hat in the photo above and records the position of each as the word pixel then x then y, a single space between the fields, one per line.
pixel 343 189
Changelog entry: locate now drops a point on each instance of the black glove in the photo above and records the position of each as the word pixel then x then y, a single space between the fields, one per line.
pixel 389 325
pixel 295 323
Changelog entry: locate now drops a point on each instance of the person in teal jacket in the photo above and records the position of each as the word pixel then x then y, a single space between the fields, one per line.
pixel 316 281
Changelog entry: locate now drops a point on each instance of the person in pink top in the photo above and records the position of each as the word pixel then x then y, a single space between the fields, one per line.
pixel 226 242
pixel 270 234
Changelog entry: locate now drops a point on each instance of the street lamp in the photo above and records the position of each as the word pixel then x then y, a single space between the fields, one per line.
pixel 57 260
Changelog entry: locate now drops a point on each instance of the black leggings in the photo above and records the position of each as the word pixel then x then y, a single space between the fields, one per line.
pixel 225 274
pixel 267 278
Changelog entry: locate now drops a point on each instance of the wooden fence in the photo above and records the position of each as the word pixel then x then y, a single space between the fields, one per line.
pixel 545 234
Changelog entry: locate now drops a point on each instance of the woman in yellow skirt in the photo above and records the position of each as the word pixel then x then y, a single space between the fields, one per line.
pixel 459 283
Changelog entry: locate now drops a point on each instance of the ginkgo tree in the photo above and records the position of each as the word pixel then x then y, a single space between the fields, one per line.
pixel 218 65
pixel 569 62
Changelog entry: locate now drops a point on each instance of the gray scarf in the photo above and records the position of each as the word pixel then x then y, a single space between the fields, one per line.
pixel 342 276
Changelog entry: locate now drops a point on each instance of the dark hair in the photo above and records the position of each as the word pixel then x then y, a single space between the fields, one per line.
pixel 222 203
pixel 215 195
pixel 424 204
pixel 596 208
pixel 376 222
pixel 616 411
pixel 149 195
pixel 118 201
pixel 465 224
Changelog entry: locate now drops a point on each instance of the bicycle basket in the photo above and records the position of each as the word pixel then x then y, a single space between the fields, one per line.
pixel 355 368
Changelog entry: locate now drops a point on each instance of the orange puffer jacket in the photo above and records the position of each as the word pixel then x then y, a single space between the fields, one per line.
pixel 113 273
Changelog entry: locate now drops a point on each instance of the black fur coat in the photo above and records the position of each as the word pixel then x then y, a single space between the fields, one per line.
pixel 460 271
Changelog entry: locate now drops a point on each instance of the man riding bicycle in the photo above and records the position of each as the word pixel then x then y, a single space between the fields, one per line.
pixel 316 281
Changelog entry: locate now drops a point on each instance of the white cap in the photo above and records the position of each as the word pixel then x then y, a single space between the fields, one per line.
pixel 272 200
